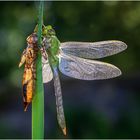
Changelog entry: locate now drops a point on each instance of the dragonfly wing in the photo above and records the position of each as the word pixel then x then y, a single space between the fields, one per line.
pixel 59 101
pixel 86 69
pixel 93 50
pixel 47 74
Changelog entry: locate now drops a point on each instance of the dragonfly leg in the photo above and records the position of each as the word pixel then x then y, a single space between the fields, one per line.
pixel 23 58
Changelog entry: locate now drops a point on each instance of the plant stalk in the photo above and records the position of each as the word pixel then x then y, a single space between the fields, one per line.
pixel 38 100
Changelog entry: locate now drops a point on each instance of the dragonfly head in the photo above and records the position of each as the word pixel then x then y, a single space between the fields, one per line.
pixel 48 31
pixel 32 39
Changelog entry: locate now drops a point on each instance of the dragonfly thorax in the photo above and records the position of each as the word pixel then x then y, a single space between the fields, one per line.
pixel 46 42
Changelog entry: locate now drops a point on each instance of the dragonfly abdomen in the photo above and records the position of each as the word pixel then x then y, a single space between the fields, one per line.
pixel 28 84
pixel 59 101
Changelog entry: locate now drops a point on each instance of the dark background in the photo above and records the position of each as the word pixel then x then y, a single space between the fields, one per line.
pixel 93 109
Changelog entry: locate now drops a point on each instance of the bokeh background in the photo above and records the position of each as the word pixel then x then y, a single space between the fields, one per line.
pixel 93 109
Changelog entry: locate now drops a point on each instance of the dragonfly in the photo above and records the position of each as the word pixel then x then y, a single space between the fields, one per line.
pixel 76 60
pixel 28 58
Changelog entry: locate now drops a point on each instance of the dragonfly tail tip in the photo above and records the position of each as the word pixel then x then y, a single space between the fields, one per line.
pixel 25 106
pixel 64 131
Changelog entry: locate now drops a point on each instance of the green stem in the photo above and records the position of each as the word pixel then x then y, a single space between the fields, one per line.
pixel 38 100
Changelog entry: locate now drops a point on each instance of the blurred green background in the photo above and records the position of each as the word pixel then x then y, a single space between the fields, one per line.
pixel 93 109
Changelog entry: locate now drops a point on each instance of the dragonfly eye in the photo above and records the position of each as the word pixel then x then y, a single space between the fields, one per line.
pixel 49 30
pixel 32 39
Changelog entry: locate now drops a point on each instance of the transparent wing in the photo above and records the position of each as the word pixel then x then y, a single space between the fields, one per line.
pixel 93 50
pixel 86 69
pixel 46 71
pixel 59 101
